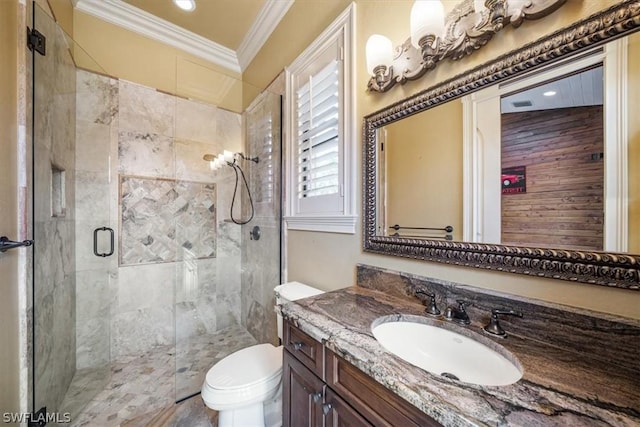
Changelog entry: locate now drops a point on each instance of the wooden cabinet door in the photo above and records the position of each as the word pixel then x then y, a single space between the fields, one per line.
pixel 302 394
pixel 338 413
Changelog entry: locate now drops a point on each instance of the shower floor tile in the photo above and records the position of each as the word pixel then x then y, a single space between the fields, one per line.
pixel 147 386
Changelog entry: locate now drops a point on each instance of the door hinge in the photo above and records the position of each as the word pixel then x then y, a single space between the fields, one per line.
pixel 36 41
pixel 38 419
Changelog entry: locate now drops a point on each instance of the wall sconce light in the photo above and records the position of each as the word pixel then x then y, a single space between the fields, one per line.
pixel 434 36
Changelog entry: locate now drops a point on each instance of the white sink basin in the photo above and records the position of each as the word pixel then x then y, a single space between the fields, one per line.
pixel 447 353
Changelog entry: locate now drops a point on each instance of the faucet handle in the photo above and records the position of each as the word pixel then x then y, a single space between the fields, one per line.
pixel 432 308
pixel 493 327
pixel 459 314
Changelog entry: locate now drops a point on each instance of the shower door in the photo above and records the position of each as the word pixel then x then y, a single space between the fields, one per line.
pixel 224 302
pixel 72 229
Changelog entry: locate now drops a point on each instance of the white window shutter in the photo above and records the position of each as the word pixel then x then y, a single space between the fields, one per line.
pixel 318 136
pixel 320 165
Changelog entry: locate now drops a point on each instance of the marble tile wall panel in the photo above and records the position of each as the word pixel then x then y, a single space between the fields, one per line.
pixel 96 121
pixel 196 121
pixel 144 110
pixel 97 98
pixel 229 130
pixel 261 258
pixel 562 326
pixel 196 289
pixel 54 255
pixel 189 163
pixel 228 276
pixel 145 286
pixel 93 334
pixel 196 278
pixel 146 154
pixel 161 216
pixel 135 332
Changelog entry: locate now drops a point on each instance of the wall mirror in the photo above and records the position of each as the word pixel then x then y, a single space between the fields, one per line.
pixel 486 171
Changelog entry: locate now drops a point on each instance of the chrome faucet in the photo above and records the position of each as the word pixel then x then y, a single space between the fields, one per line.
pixel 432 308
pixel 458 314
pixel 493 327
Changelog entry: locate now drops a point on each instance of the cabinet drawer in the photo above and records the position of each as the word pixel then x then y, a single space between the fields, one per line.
pixel 378 405
pixel 304 348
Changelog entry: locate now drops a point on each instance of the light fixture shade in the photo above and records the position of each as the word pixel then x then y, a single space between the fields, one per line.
pixel 379 51
pixel 427 17
pixel 186 5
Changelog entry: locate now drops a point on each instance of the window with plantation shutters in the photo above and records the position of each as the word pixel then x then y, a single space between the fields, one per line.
pixel 318 134
pixel 320 123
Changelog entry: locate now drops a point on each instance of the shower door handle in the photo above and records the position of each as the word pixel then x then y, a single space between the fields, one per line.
pixel 95 242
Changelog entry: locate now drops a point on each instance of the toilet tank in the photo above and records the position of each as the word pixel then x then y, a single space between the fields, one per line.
pixel 291 291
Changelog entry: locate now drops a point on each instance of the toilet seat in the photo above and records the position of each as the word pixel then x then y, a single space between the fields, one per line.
pixel 244 377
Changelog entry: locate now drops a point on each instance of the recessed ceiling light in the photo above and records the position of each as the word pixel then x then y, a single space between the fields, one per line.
pixel 549 93
pixel 187 5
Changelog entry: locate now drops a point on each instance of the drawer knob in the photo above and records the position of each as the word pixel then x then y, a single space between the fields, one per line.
pixel 326 408
pixel 298 345
pixel 317 397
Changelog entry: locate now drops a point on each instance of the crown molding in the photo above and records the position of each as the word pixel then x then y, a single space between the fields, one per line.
pixel 267 20
pixel 131 18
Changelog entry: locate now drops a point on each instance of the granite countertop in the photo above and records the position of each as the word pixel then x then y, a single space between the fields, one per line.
pixel 558 387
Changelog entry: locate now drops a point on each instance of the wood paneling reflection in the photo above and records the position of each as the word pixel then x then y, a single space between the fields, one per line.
pixel 563 204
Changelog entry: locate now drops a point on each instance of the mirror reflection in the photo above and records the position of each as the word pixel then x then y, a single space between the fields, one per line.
pixel 545 161
pixel 552 164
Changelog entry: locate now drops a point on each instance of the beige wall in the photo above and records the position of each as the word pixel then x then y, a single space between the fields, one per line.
pixel 634 143
pixel 9 300
pixel 328 260
pixel 62 12
pixel 109 49
pixel 424 170
pixel 304 21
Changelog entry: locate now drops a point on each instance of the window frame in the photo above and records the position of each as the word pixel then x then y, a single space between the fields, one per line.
pixel 334 214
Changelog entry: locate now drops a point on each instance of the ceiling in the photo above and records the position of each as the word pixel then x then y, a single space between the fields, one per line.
pixel 577 90
pixel 222 21
pixel 228 33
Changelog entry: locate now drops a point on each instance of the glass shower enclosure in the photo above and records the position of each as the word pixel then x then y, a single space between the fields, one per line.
pixel 141 281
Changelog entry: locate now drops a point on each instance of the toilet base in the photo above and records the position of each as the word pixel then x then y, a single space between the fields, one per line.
pixel 261 414
pixel 249 416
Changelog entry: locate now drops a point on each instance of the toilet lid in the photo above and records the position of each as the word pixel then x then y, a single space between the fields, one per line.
pixel 246 367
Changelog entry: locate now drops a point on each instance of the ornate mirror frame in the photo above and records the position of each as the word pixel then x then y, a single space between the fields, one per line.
pixel 601 268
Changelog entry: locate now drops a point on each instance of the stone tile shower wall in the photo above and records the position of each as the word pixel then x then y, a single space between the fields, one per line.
pixel 189 284
pixel 261 258
pixel 164 220
pixel 96 129
pixel 54 219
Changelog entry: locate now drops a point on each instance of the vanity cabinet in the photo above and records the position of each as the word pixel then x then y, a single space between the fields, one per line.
pixel 322 389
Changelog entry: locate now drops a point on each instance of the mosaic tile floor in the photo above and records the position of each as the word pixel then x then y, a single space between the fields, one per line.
pixel 143 388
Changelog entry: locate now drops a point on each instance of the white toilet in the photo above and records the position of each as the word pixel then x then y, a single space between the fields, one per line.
pixel 246 386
